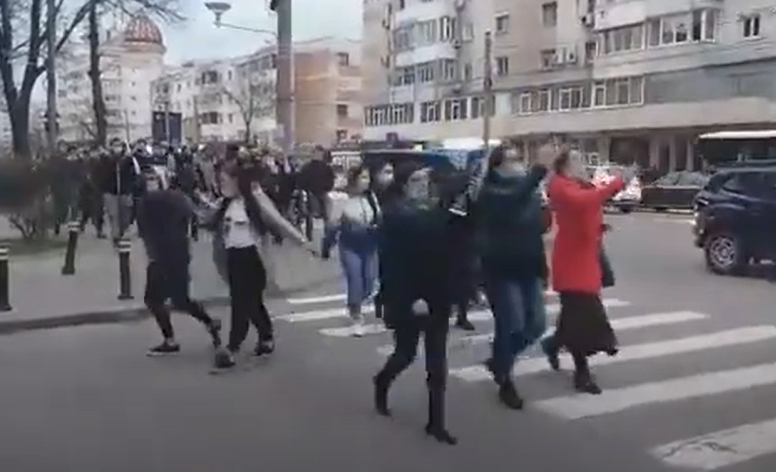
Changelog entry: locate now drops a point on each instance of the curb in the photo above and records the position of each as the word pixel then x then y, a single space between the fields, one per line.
pixel 129 314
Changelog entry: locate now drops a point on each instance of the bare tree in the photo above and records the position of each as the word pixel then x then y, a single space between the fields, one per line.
pixel 14 16
pixel 254 97
pixel 164 9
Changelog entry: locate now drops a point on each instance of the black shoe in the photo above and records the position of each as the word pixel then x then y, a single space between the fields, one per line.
pixel 214 329
pixel 507 394
pixel 224 359
pixel 584 383
pixel 441 434
pixel 381 396
pixel 264 348
pixel 165 349
pixel 552 355
pixel 465 324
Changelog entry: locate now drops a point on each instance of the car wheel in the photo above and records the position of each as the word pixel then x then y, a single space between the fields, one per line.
pixel 626 210
pixel 661 209
pixel 724 254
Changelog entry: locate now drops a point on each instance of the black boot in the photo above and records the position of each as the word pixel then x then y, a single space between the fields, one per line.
pixel 436 417
pixel 583 380
pixel 381 386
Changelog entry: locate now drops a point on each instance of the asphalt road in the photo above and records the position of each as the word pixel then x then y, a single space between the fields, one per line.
pixel 692 387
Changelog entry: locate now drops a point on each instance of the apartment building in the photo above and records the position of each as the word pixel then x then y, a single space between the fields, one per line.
pixel 234 98
pixel 627 80
pixel 131 57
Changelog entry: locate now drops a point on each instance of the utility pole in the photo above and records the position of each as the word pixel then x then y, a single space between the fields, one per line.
pixel 487 89
pixel 51 75
pixel 284 85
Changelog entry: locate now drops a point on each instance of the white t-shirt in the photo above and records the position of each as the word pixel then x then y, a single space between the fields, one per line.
pixel 238 231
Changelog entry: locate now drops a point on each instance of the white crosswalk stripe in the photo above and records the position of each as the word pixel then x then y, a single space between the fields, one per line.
pixel 708 451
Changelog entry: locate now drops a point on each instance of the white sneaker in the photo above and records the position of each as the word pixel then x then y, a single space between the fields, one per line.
pixel 359 329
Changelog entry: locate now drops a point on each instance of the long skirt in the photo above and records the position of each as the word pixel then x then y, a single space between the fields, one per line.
pixel 583 326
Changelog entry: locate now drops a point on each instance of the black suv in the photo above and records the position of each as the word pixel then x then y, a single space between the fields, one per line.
pixel 735 218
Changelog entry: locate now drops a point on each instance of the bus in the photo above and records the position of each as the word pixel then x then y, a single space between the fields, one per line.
pixel 726 147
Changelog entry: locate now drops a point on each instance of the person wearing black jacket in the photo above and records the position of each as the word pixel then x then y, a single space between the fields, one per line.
pixel 317 179
pixel 119 182
pixel 418 260
pixel 163 217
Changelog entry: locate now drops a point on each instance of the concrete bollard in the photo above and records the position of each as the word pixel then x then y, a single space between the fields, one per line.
pixel 5 303
pixel 125 274
pixel 73 230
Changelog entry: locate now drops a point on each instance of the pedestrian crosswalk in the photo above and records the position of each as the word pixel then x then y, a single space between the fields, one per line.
pixel 669 337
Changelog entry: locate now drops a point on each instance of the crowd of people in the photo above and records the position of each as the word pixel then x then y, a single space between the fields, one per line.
pixel 420 242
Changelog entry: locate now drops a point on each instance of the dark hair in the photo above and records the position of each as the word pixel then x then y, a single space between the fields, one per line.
pixel 497 157
pixel 561 162
pixel 355 173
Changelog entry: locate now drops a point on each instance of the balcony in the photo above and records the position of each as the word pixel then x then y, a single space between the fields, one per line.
pixel 423 11
pixel 631 12
pixel 419 55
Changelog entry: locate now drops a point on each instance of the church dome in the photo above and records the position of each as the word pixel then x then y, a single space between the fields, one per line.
pixel 141 29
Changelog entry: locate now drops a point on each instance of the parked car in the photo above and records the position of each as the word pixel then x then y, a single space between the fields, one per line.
pixel 735 218
pixel 673 191
pixel 629 198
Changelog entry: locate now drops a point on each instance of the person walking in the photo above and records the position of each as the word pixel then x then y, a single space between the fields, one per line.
pixel 416 243
pixel 578 267
pixel 353 225
pixel 511 248
pixel 163 217
pixel 237 223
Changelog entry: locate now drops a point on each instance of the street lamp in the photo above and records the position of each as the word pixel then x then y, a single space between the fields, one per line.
pixel 284 83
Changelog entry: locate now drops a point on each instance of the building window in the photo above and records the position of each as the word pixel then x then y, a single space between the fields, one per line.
pixel 751 26
pixel 343 59
pixel 628 38
pixel 545 97
pixel 547 58
pixel 502 66
pixel 524 105
pixel 476 107
pixel 502 23
pixel 467 72
pixel 550 14
pixel 426 72
pixel 618 92
pixel 468 32
pixel 426 32
pixel 342 111
pixel 696 26
pixel 388 115
pixel 447 28
pixel 599 94
pixel 430 112
pixel 449 69
pixel 456 109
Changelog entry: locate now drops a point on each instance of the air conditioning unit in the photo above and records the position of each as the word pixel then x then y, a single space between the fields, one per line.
pixel 456 43
pixel 457 89
pixel 588 20
pixel 558 58
pixel 460 4
pixel 386 23
pixel 385 61
pixel 570 56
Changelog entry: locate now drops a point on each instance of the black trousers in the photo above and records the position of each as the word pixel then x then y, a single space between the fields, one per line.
pixel 170 281
pixel 407 330
pixel 247 281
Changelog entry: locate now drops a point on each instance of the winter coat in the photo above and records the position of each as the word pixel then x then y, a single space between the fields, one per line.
pixel 577 249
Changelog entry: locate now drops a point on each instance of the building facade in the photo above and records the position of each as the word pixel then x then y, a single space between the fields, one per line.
pixel 234 98
pixel 131 57
pixel 627 80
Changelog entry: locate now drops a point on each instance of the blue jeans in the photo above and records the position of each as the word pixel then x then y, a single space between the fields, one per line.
pixel 519 319
pixel 360 267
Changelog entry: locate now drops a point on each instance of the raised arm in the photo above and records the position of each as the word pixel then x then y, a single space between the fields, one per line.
pixel 273 217
pixel 565 192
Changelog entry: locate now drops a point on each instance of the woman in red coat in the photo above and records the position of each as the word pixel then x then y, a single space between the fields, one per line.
pixel 582 327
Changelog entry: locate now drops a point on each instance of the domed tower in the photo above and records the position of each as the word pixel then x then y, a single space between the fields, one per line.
pixel 140 57
pixel 142 34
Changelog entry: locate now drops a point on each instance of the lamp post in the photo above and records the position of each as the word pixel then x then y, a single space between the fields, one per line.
pixel 284 83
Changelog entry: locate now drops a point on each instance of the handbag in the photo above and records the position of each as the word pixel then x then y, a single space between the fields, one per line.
pixel 607 274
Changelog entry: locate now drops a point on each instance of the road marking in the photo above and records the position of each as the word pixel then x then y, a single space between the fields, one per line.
pixel 320 299
pixel 338 297
pixel 328 313
pixel 631 322
pixel 474 316
pixel 684 388
pixel 721 448
pixel 478 373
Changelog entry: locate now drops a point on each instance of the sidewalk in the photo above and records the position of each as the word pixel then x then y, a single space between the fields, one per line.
pixel 42 298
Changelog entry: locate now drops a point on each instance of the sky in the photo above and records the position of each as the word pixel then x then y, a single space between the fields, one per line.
pixel 198 37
